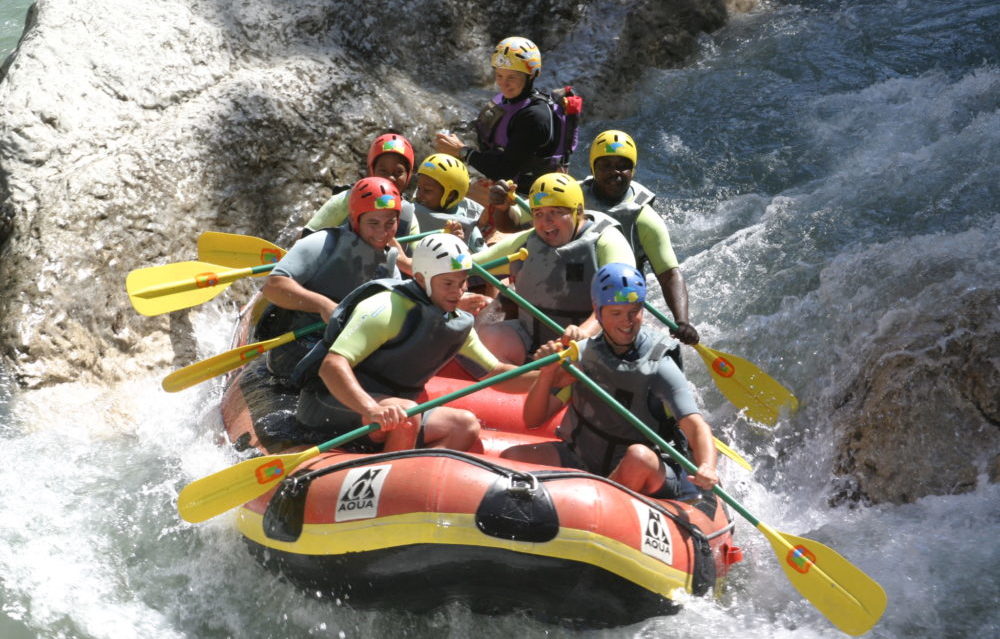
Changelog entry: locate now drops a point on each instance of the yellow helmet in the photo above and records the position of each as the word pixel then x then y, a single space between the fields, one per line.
pixel 449 172
pixel 613 143
pixel 556 189
pixel 517 54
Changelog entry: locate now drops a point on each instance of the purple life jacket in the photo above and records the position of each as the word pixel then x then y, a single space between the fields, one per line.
pixel 494 120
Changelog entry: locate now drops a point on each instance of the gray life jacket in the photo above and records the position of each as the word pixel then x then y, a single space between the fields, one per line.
pixel 624 212
pixel 348 262
pixel 597 433
pixel 400 367
pixel 557 279
pixel 465 213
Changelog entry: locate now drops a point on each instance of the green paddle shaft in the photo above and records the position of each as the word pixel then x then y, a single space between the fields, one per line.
pixel 525 304
pixel 850 599
pixel 628 416
pixel 462 392
pixel 215 494
pixel 418 236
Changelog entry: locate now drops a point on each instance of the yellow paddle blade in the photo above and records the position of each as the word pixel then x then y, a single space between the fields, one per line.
pixel 220 364
pixel 171 287
pixel 747 387
pixel 237 251
pixel 850 599
pixel 732 454
pixel 209 496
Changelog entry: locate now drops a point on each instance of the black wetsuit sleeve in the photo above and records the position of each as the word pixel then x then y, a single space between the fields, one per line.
pixel 528 133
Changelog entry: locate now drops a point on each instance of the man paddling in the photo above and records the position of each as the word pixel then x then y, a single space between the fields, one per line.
pixel 566 245
pixel 629 361
pixel 611 190
pixel 385 341
pixel 321 269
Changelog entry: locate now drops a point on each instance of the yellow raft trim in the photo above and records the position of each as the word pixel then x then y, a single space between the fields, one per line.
pixel 460 529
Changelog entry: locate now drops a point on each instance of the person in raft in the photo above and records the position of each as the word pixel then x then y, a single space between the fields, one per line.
pixel 566 245
pixel 385 340
pixel 321 269
pixel 611 189
pixel 628 360
pixel 439 201
pixel 390 156
pixel 519 136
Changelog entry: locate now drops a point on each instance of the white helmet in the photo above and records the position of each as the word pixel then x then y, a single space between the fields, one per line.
pixel 440 253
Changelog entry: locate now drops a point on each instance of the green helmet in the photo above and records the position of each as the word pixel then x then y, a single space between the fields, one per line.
pixel 449 172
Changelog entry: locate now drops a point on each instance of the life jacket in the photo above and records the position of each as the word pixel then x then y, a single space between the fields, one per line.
pixel 348 262
pixel 624 212
pixel 564 108
pixel 403 365
pixel 557 279
pixel 466 213
pixel 597 433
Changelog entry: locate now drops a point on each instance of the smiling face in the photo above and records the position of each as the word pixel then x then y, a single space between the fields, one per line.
pixel 511 83
pixel 621 324
pixel 554 224
pixel 377 228
pixel 447 289
pixel 392 167
pixel 429 192
pixel 612 176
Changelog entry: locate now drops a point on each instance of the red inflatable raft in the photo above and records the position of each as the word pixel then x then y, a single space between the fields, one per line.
pixel 417 529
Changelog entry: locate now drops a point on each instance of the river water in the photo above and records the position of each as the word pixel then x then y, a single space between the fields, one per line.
pixel 822 165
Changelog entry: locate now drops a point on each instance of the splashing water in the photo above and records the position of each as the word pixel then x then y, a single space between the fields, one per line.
pixel 823 166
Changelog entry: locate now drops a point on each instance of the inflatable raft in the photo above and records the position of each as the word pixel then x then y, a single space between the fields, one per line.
pixel 417 529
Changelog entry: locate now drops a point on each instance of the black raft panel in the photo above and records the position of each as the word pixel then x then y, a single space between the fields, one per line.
pixel 422 577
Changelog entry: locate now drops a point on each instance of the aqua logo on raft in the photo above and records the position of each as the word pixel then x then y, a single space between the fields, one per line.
pixel 360 493
pixel 655 533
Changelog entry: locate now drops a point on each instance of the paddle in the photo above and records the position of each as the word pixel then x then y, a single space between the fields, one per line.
pixel 237 251
pixel 215 494
pixel 232 359
pixel 240 251
pixel 171 287
pixel 545 319
pixel 750 389
pixel 845 595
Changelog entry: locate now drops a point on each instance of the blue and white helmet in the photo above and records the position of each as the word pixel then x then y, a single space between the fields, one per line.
pixel 616 284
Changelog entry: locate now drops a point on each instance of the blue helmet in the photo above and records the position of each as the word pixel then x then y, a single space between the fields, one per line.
pixel 617 283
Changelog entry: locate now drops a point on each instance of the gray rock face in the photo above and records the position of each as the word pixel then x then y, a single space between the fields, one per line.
pixel 923 417
pixel 122 139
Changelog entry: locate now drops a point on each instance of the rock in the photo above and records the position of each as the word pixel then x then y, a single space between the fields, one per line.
pixel 127 127
pixel 923 416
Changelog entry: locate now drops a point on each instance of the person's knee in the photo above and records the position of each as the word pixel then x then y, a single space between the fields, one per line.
pixel 465 426
pixel 642 457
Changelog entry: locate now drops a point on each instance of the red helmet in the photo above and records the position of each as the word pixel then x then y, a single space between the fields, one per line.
pixel 391 143
pixel 372 194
